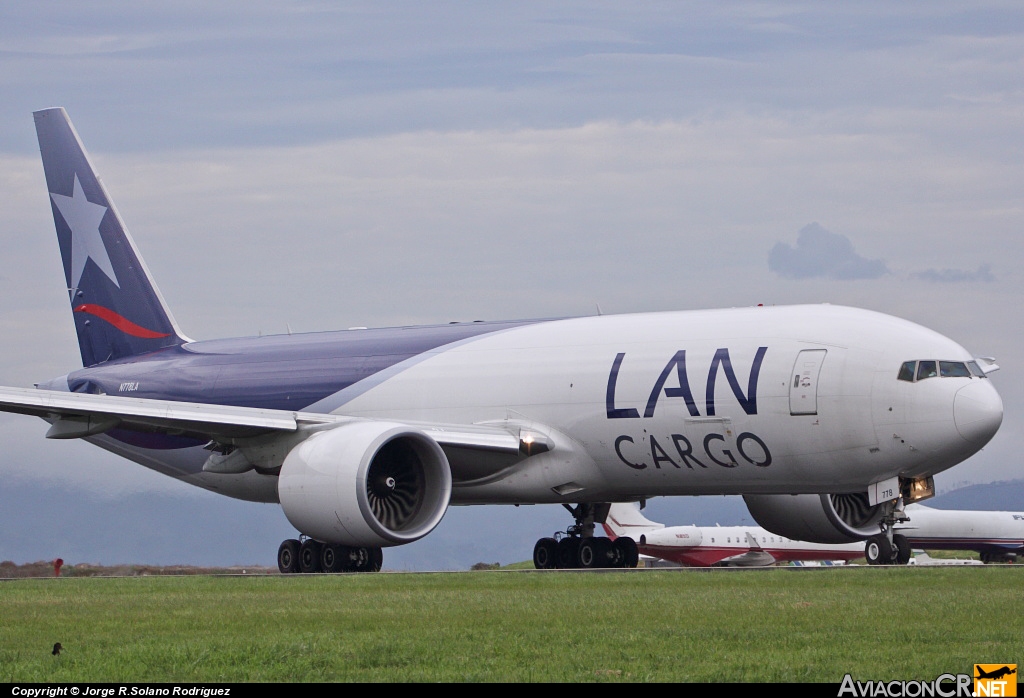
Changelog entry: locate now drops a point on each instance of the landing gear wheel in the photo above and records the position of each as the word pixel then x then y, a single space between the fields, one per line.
pixel 376 560
pixel 568 553
pixel 606 556
pixel 288 556
pixel 358 559
pixel 902 546
pixel 590 554
pixel 626 553
pixel 878 550
pixel 545 554
pixel 334 558
pixel 366 559
pixel 309 556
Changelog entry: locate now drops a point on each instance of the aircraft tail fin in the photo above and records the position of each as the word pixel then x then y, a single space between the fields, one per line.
pixel 625 520
pixel 117 308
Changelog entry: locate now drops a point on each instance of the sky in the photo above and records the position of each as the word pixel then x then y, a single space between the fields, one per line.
pixel 323 165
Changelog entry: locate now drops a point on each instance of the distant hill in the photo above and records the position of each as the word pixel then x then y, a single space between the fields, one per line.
pixel 44 521
pixel 1007 495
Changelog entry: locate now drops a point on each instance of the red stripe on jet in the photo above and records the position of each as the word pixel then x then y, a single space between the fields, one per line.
pixel 121 323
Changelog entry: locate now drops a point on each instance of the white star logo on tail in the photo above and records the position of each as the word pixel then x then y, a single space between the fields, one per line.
pixel 83 217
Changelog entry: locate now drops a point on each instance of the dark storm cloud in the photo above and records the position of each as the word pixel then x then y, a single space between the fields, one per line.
pixel 954 276
pixel 821 254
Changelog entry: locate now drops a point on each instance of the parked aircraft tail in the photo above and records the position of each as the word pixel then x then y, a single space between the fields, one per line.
pixel 117 309
pixel 626 520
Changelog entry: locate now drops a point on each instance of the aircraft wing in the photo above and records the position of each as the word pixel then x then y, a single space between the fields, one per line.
pixel 756 556
pixel 751 558
pixel 74 415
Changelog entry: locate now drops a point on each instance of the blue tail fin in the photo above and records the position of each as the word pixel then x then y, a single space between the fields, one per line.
pixel 117 308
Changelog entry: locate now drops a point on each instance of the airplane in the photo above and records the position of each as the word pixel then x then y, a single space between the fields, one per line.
pixel 724 546
pixel 997 536
pixel 365 437
pixel 995 673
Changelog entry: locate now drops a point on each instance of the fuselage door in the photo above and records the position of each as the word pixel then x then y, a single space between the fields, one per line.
pixel 803 386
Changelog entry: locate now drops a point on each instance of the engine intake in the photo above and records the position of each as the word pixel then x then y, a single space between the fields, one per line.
pixel 366 484
pixel 816 518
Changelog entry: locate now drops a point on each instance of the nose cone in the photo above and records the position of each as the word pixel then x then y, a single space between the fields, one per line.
pixel 977 412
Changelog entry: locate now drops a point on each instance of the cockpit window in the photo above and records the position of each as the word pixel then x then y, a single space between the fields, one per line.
pixel 926 369
pixel 912 371
pixel 954 369
pixel 907 371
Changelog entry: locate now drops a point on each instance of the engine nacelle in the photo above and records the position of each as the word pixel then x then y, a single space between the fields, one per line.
pixel 816 518
pixel 366 484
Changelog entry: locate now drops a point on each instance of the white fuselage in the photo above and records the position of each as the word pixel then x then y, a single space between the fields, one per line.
pixel 944 529
pixel 666 404
pixel 738 545
pixel 703 546
pixel 622 431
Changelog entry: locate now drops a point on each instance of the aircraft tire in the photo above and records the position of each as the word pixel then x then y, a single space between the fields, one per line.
pixel 376 559
pixel 288 556
pixel 878 550
pixel 545 554
pixel 903 553
pixel 309 556
pixel 334 558
pixel 606 555
pixel 359 559
pixel 568 553
pixel 627 555
pixel 587 554
pixel 594 553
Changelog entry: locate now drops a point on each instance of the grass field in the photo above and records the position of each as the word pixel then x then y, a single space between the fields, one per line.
pixel 633 626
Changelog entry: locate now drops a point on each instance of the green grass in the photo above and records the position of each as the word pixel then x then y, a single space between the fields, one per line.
pixel 719 625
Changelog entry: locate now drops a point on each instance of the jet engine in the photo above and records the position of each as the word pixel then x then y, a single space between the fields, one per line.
pixel 366 484
pixel 817 518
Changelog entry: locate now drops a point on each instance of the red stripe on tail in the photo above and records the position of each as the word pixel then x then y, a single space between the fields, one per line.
pixel 121 323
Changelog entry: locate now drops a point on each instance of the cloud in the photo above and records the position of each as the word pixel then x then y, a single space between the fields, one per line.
pixel 954 276
pixel 821 254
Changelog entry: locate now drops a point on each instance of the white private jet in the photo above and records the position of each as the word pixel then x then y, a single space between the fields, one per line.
pixel 365 437
pixel 996 536
pixel 727 546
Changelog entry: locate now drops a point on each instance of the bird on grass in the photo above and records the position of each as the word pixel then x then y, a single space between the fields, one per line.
pixel 57 648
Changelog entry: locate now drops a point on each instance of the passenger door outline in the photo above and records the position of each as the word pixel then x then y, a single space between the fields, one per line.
pixel 803 386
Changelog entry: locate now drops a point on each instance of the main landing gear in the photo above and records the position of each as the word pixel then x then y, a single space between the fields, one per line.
pixel 888 548
pixel 309 556
pixel 579 548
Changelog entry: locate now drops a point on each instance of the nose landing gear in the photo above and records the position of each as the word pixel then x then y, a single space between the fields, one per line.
pixel 888 548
